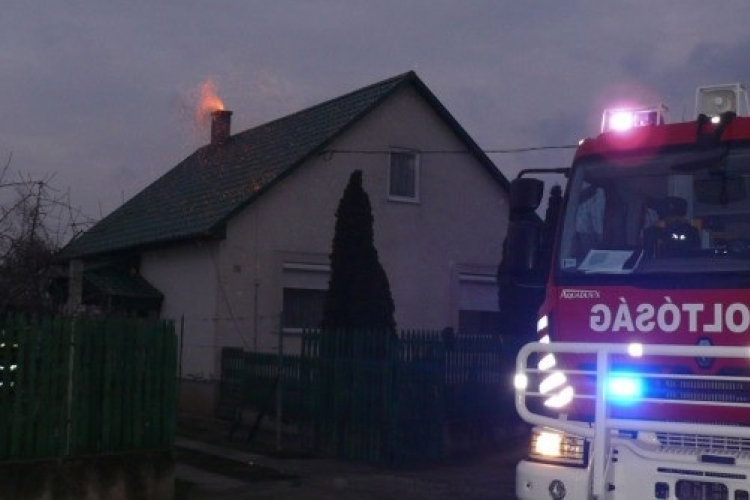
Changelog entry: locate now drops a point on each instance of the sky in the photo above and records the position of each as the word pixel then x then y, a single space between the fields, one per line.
pixel 100 96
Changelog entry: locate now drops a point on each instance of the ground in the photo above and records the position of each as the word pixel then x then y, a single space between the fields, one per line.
pixel 209 465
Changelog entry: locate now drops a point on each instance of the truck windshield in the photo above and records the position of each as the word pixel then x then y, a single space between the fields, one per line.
pixel 686 212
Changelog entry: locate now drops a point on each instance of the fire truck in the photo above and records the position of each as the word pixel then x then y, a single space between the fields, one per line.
pixel 638 386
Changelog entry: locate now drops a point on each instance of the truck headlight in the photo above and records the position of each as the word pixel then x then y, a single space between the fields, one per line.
pixel 558 447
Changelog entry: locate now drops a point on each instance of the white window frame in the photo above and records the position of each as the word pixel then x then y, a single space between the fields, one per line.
pixel 414 197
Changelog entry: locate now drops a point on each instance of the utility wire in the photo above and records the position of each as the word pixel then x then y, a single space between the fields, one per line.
pixel 451 151
pixel 529 149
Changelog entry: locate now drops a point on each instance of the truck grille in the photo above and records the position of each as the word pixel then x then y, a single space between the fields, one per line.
pixel 701 490
pixel 700 390
pixel 697 441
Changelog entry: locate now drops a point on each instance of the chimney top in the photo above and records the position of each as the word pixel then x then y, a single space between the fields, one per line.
pixel 221 126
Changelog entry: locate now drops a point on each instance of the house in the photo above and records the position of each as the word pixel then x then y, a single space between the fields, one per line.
pixel 233 243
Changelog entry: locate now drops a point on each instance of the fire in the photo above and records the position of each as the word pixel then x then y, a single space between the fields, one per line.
pixel 208 101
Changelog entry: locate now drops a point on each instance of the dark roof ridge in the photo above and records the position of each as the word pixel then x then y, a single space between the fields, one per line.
pixel 407 76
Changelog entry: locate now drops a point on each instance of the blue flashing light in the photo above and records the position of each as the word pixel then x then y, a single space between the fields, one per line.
pixel 624 388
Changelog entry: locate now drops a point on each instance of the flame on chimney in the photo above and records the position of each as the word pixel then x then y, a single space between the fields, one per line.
pixel 208 101
pixel 211 108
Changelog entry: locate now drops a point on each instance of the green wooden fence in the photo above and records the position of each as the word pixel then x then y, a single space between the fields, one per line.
pixel 353 405
pixel 79 387
pixel 250 381
pixel 372 397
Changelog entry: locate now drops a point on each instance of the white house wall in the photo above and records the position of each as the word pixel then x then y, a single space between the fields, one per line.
pixel 456 228
pixel 187 276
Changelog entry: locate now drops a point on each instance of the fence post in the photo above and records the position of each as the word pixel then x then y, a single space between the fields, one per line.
pixel 280 384
pixel 182 346
pixel 69 399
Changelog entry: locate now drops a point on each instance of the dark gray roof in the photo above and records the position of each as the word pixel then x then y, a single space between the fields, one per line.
pixel 197 197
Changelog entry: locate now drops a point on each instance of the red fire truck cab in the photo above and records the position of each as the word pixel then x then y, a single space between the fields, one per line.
pixel 639 384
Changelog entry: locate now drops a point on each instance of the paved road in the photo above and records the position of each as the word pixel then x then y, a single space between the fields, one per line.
pixel 490 476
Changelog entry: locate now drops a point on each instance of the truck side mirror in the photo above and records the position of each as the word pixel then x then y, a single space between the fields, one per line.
pixel 525 194
pixel 524 238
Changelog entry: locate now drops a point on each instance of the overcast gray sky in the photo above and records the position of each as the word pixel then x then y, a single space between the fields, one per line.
pixel 102 93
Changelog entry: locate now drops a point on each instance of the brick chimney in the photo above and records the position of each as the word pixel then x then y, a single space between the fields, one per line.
pixel 221 126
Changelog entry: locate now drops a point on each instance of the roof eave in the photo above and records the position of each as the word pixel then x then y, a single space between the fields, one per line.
pixel 216 233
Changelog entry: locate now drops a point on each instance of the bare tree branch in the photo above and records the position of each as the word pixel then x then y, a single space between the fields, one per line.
pixel 36 220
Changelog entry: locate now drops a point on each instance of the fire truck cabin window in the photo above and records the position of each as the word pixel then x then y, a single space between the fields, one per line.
pixel 651 213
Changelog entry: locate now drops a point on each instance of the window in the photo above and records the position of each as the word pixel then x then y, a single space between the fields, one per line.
pixel 303 308
pixel 404 176
pixel 685 212
pixel 478 322
pixel 304 295
pixel 477 307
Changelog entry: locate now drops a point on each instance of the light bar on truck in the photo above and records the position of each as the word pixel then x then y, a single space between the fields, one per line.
pixel 623 119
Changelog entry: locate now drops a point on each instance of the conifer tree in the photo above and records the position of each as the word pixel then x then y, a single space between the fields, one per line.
pixel 359 295
pixel 358 320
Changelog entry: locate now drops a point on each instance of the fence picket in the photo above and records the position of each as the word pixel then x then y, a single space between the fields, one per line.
pixel 32 391
pixel 44 403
